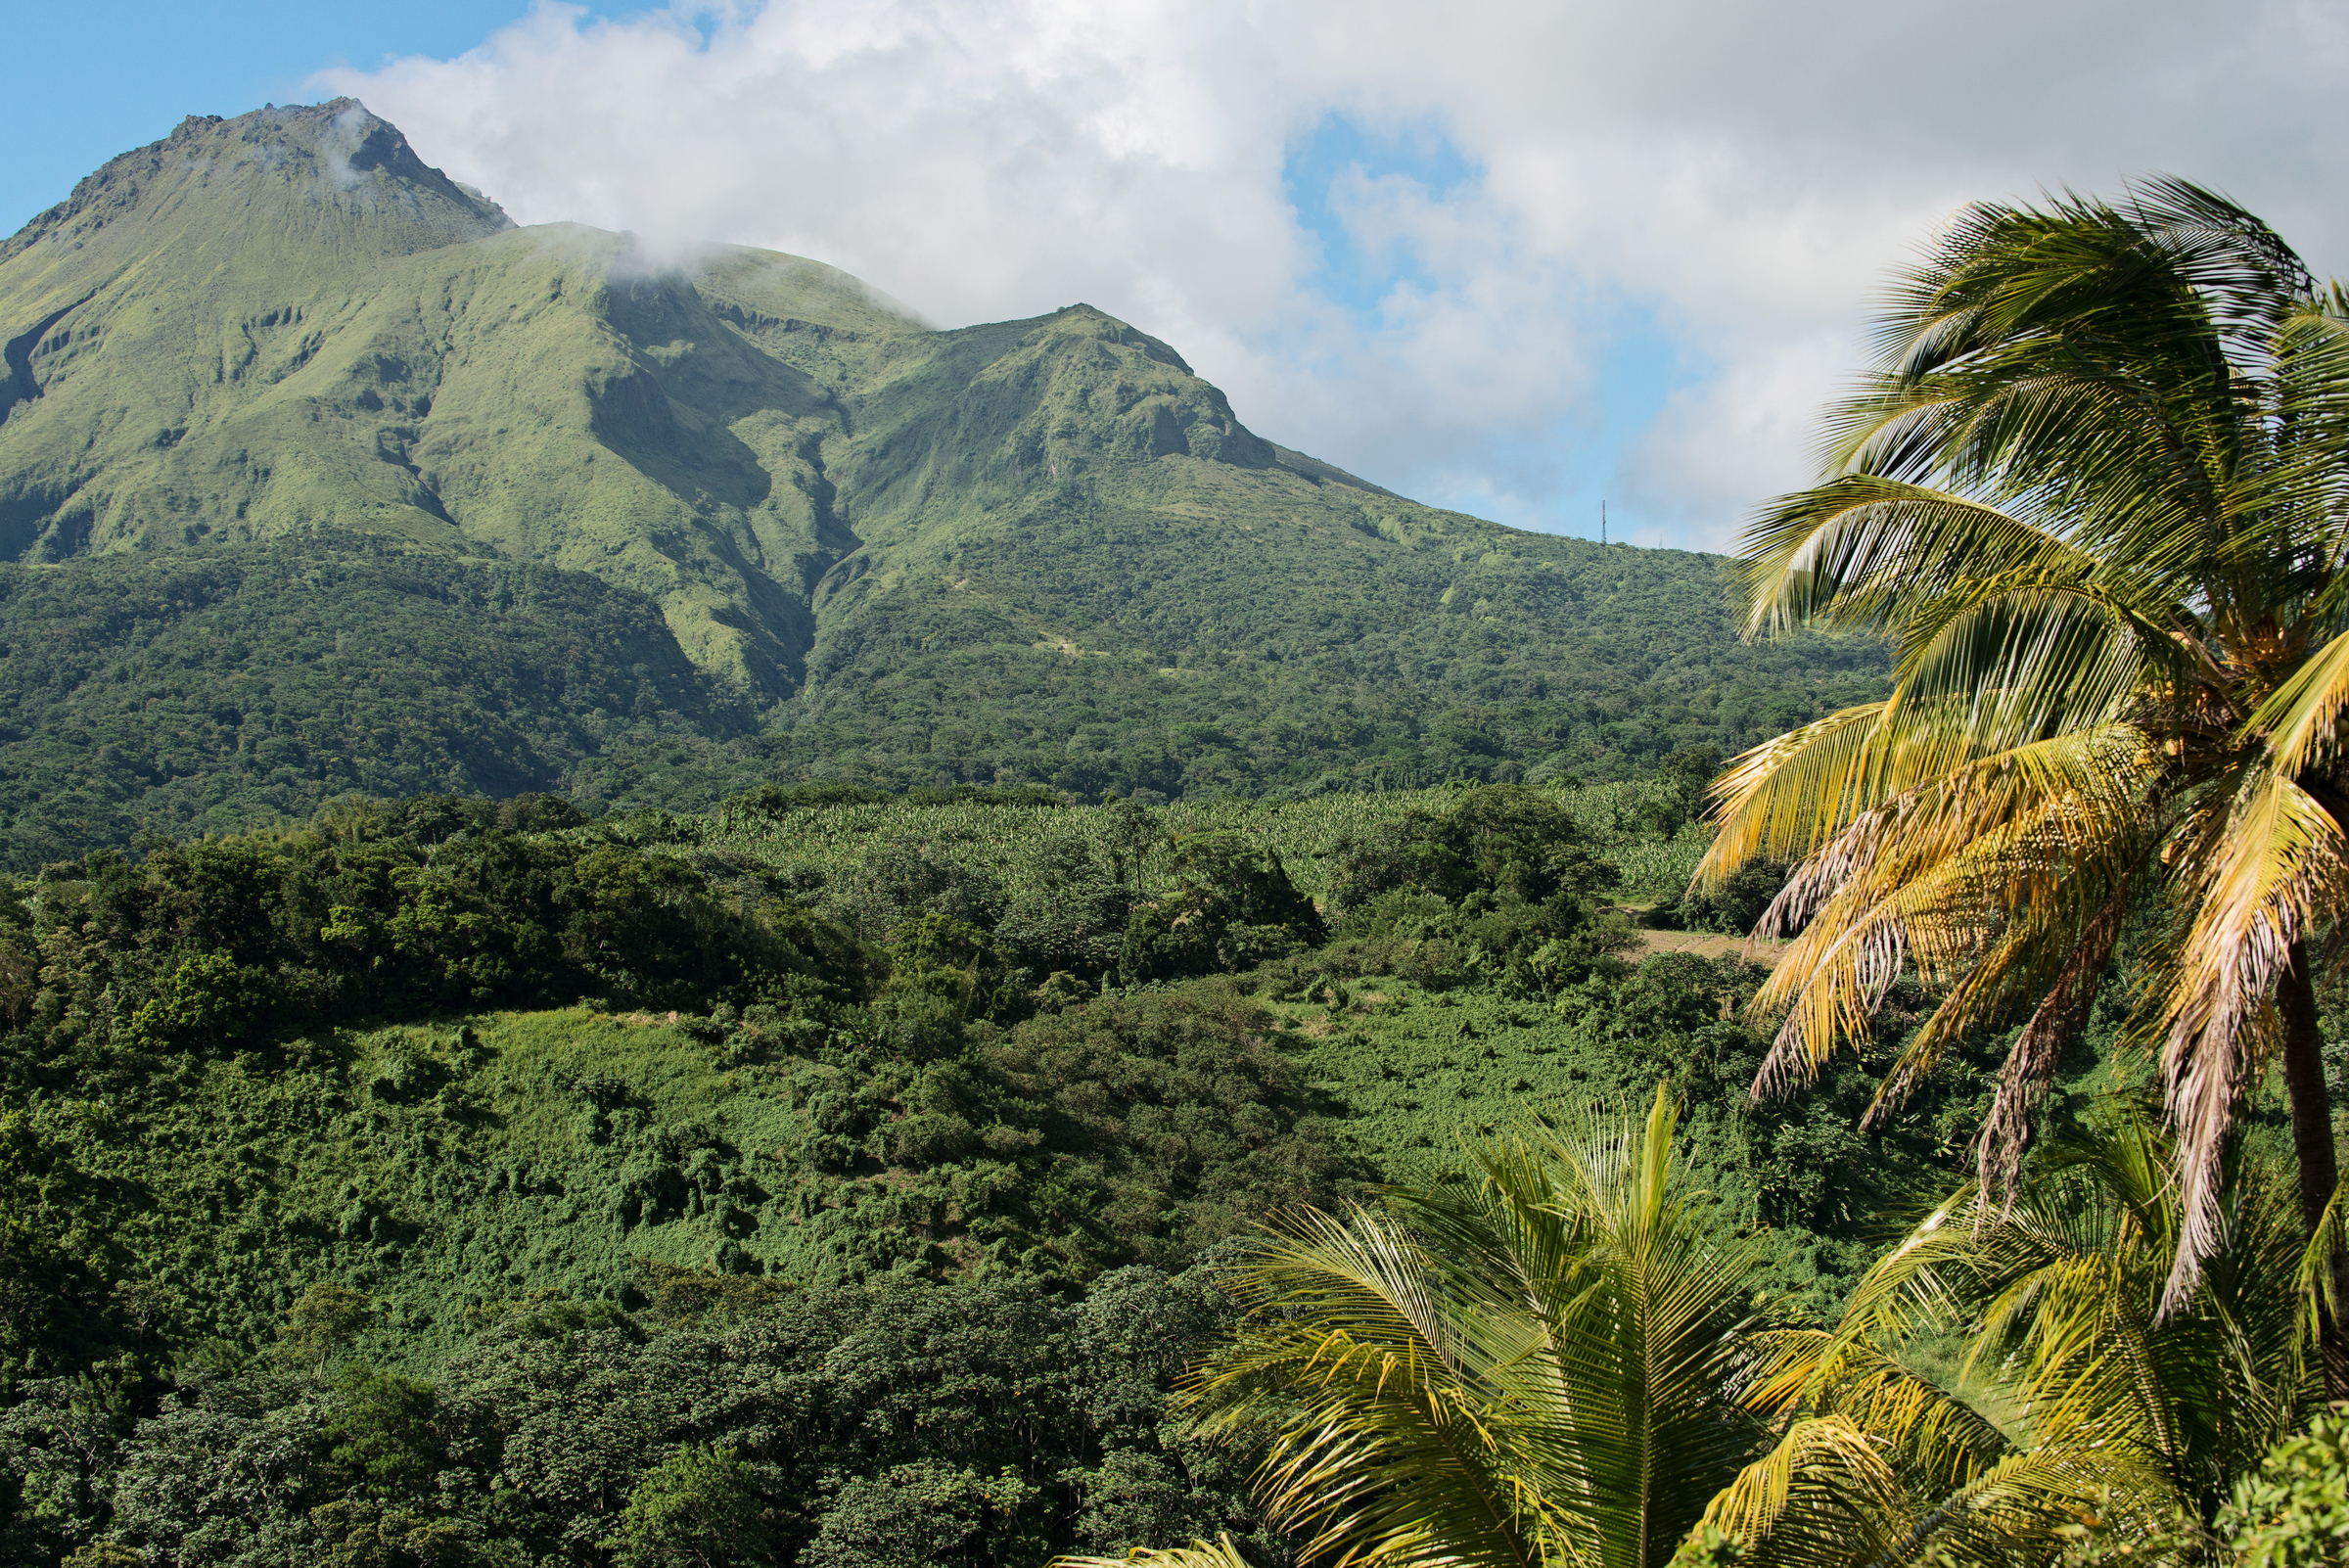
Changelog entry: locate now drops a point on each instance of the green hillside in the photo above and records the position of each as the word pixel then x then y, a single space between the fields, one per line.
pixel 448 1058
pixel 1037 551
pixel 175 692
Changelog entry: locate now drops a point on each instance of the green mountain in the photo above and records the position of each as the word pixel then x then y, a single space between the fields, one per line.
pixel 279 351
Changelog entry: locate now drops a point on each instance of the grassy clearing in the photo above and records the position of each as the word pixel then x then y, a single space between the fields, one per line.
pixel 458 1166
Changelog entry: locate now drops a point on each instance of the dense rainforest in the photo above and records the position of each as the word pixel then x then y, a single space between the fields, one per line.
pixel 453 1181
pixel 166 694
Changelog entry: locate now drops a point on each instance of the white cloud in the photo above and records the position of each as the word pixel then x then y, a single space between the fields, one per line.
pixel 1740 174
pixel 1715 450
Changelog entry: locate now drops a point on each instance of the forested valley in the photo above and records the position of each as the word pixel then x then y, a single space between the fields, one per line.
pixel 454 1181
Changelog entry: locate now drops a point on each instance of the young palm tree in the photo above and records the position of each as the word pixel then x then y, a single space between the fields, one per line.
pixel 2150 1418
pixel 1552 1363
pixel 1534 1364
pixel 2096 492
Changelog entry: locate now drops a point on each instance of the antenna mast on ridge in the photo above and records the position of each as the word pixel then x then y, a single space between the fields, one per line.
pixel 1602 520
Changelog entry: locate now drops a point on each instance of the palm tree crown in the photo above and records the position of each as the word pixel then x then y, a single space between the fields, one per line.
pixel 2108 1408
pixel 1550 1360
pixel 1534 1363
pixel 2096 493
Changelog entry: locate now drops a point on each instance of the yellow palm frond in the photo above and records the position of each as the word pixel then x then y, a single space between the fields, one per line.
pixel 1984 878
pixel 1220 1554
pixel 1912 779
pixel 2299 720
pixel 1788 797
pixel 1940 1438
pixel 2277 867
pixel 1832 1478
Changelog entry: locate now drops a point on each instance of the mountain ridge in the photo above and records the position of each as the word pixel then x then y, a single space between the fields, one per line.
pixel 1031 549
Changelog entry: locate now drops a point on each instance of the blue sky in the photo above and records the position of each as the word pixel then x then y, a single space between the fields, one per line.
pixel 1637 363
pixel 112 75
pixel 1350 272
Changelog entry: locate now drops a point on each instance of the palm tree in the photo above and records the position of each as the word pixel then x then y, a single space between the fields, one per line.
pixel 2151 1417
pixel 2096 493
pixel 1535 1363
pixel 1551 1360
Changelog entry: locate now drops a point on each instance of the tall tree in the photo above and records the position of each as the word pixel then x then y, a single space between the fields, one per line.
pixel 2095 492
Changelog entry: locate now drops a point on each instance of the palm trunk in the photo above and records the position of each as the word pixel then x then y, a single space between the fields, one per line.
pixel 2313 1148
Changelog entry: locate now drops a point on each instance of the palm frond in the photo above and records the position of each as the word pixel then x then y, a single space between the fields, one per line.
pixel 2032 1061
pixel 1986 877
pixel 1219 1554
pixel 1853 551
pixel 1938 1437
pixel 2018 657
pixel 1529 1363
pixel 1383 1360
pixel 1787 798
pixel 2317 1279
pixel 1828 1487
pixel 2277 867
pixel 1914 778
pixel 2062 1285
pixel 2300 718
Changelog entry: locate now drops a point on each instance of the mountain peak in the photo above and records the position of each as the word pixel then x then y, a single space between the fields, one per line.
pixel 1094 322
pixel 331 173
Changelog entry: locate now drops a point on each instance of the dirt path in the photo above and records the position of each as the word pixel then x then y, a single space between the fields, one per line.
pixel 1706 945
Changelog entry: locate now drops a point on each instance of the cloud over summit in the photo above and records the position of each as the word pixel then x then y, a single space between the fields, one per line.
pixel 1505 256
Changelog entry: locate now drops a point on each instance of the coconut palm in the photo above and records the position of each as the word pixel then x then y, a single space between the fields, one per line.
pixel 2096 493
pixel 1552 1361
pixel 2144 1419
pixel 1878 1467
pixel 1535 1363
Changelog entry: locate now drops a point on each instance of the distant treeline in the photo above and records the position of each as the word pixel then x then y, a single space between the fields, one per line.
pixel 160 697
pixel 157 697
pixel 442 903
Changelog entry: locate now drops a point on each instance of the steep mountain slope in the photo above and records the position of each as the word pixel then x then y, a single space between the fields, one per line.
pixel 1040 549
pixel 174 693
pixel 266 325
pixel 172 296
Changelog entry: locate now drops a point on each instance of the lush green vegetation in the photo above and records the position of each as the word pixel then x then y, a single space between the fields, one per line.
pixel 569 1105
pixel 969 1422
pixel 1341 650
pixel 165 695
pixel 1555 1355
